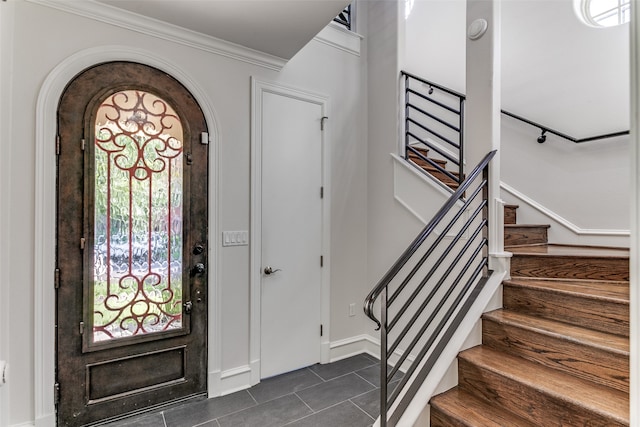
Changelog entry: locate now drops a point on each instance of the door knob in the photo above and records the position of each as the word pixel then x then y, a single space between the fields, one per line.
pixel 199 268
pixel 268 270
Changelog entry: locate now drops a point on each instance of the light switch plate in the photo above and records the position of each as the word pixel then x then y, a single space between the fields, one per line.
pixel 235 238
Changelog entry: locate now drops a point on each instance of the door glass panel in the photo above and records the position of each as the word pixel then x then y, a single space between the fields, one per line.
pixel 136 285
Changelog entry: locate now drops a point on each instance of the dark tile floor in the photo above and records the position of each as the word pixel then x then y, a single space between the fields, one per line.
pixel 343 393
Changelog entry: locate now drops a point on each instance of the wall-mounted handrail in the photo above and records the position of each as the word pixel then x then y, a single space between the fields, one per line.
pixel 545 129
pixel 407 299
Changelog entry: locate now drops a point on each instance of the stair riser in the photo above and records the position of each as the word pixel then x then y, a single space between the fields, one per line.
pixel 599 315
pixel 510 216
pixel 567 267
pixel 593 364
pixel 526 401
pixel 525 236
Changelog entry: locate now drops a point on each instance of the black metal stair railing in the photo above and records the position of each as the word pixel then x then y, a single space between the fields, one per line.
pixel 344 18
pixel 427 292
pixel 434 119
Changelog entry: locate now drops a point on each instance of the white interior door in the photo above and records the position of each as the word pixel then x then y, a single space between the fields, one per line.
pixel 291 233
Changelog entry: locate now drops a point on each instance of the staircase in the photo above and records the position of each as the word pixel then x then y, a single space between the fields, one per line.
pixel 431 169
pixel 557 354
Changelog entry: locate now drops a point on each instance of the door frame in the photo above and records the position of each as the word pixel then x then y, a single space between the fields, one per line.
pixel 45 217
pixel 258 88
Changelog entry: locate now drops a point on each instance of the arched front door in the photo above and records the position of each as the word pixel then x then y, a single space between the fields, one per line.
pixel 131 244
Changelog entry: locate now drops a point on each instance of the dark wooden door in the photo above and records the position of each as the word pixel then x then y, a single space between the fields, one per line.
pixel 131 244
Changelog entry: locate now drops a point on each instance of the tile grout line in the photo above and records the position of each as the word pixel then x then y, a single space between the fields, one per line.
pixel 230 413
pixel 314 412
pixel 366 380
pixel 316 374
pixel 306 404
pixel 358 406
pixel 251 395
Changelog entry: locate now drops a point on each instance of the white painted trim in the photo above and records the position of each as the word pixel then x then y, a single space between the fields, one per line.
pixel 235 379
pixel 428 179
pixel 340 38
pixel 44 238
pixel 352 346
pixel 163 30
pixel 27 424
pixel 559 219
pixel 400 193
pixel 258 87
pixel 634 259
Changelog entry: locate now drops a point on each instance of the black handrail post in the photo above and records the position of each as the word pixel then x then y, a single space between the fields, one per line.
pixel 461 143
pixel 485 214
pixel 406 117
pixel 383 358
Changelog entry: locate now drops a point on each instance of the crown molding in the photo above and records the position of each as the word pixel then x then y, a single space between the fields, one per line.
pixel 159 29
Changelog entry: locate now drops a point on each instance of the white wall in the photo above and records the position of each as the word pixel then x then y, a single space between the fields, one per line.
pixel 435 38
pixel 558 72
pixel 6 27
pixel 226 83
pixel 391 227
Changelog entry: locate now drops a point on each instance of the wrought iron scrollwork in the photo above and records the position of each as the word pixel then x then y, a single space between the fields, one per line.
pixel 137 251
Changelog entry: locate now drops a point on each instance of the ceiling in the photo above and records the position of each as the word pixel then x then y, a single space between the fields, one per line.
pixel 277 27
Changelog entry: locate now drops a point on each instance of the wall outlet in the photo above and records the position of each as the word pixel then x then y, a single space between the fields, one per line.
pixel 352 309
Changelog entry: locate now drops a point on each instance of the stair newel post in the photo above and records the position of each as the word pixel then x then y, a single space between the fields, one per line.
pixel 383 358
pixel 461 143
pixel 406 117
pixel 485 216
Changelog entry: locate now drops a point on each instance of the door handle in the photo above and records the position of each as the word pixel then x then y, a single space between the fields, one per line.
pixel 268 270
pixel 188 306
pixel 199 268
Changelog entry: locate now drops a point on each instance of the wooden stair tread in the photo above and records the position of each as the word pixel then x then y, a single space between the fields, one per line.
pixel 599 357
pixel 572 251
pixel 605 401
pixel 509 206
pixel 430 168
pixel 469 411
pixel 584 336
pixel 617 292
pixel 415 158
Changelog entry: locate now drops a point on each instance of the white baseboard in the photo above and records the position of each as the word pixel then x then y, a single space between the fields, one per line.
pixel 214 384
pixel 352 346
pixel 235 379
pixel 48 420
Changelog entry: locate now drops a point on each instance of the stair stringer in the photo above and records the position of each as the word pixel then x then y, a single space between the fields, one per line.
pixel 562 230
pixel 467 335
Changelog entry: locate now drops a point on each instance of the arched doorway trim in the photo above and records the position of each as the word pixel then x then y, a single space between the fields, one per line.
pixel 45 191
